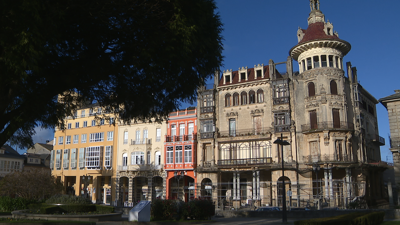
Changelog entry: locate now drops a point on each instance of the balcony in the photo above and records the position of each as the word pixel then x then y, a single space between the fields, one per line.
pixel 180 138
pixel 309 159
pixel 244 162
pixel 246 132
pixel 282 128
pixel 140 167
pixel 206 135
pixel 145 141
pixel 327 126
pixel 208 109
pixel 281 100
pixel 379 140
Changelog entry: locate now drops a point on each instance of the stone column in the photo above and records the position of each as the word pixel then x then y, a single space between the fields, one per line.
pixel 254 186
pixel 331 188
pixel 238 186
pixel 117 187
pixel 234 186
pixel 149 187
pixel 130 188
pixel 258 185
pixel 326 183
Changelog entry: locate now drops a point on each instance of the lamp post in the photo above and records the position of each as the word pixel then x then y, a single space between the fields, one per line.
pixel 178 175
pixel 281 142
pixel 316 169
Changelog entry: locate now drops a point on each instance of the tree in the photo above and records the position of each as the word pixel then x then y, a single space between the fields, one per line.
pixel 33 184
pixel 140 58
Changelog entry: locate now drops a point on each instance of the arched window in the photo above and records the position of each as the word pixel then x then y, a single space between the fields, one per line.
pixel 244 98
pixel 148 158
pixel 157 159
pixel 235 99
pixel 227 100
pixel 311 89
pixel 260 96
pixel 252 97
pixel 333 88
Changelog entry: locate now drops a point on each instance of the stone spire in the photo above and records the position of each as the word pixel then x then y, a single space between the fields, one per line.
pixel 315 15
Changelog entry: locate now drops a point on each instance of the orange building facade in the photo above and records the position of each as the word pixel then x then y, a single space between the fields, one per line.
pixel 180 155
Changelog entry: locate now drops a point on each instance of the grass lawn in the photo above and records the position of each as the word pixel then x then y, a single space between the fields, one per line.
pixel 12 220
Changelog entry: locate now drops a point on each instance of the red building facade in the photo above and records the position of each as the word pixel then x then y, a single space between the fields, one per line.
pixel 180 154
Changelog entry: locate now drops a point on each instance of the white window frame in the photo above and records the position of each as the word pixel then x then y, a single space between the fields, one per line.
pixel 51 160
pixel 68 140
pixel 157 158
pixel 69 125
pixel 73 158
pixel 125 137
pixel 178 154
pixel 93 123
pixel 60 140
pixel 84 123
pixel 170 155
pixel 58 159
pixel 76 124
pixel 93 157
pixel 83 138
pixel 137 137
pixel 145 136
pixel 158 134
pixel 125 159
pixel 82 113
pixel 76 139
pixel 96 137
pixel 190 131
pixel 66 158
pixel 188 153
pixel 110 135
pixel 108 157
pixel 81 158
pixel 137 158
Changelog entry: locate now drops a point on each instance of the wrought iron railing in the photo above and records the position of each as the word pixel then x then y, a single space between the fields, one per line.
pixel 246 132
pixel 380 140
pixel 208 109
pixel 327 158
pixel 243 162
pixel 205 135
pixel 328 126
pixel 178 138
pixel 146 141
pixel 281 100
pixel 282 128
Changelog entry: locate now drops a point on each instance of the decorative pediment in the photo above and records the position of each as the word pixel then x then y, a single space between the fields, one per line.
pixel 336 104
pixel 257 112
pixel 232 114
pixel 312 105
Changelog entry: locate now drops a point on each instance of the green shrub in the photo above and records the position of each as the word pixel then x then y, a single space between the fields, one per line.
pixel 177 210
pixel 10 204
pixel 347 219
pixel 164 210
pixel 104 209
pixel 69 208
pixel 68 199
pixel 198 209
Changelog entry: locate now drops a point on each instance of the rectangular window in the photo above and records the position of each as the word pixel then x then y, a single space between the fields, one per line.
pixel 258 73
pixel 145 135
pixel 54 141
pixel 181 130
pixel 90 112
pixel 188 153
pixel 96 137
pixel 137 158
pixel 309 66
pixel 323 61
pixel 190 130
pixel 170 154
pixel 158 134
pixel 108 157
pixel 242 76
pixel 66 159
pixel 93 157
pixel 173 130
pixel 102 122
pixel 316 62
pixel 178 154
pixel 73 158
pixel 138 137
pixel 111 120
pixel 51 160
pixel 232 127
pixel 84 123
pixel 69 126
pixel 83 113
pixel 82 158
pixel 58 159
pixel 336 118
pixel 93 123
pixel 76 114
pixel 313 119
pixel 76 138
pixel 83 138
pixel 330 61
pixel 227 79
pixel 125 137
pixel 110 135
pixel 77 125
pixel 68 140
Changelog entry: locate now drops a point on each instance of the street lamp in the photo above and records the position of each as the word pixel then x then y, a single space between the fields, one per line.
pixel 178 175
pixel 316 169
pixel 281 142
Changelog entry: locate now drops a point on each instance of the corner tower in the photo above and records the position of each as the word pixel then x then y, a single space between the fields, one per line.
pixel 319 46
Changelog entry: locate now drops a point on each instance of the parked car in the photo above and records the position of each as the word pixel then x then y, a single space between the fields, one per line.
pixel 268 208
pixel 299 209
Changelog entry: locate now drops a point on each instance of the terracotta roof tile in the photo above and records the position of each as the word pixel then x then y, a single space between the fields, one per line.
pixel 251 75
pixel 315 31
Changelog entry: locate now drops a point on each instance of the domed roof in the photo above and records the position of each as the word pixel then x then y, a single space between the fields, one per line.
pixel 315 31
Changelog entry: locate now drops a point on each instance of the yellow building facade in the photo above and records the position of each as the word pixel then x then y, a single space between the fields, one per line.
pixel 83 156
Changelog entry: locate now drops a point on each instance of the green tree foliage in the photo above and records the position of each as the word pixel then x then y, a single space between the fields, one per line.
pixel 140 58
pixel 33 184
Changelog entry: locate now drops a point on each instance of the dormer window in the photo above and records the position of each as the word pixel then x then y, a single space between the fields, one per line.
pixel 2 151
pixel 227 78
pixel 242 76
pixel 258 73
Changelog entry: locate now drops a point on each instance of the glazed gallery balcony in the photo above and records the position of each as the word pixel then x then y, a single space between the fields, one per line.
pixel 244 162
pixel 327 126
pixel 179 138
pixel 140 167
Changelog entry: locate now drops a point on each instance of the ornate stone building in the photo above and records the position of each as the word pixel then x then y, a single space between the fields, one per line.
pixel 327 118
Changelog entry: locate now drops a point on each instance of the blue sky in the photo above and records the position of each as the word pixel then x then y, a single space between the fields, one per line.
pixel 258 30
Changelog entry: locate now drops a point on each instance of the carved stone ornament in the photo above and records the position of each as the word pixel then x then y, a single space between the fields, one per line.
pixel 232 114
pixel 257 111
pixel 312 105
pixel 326 138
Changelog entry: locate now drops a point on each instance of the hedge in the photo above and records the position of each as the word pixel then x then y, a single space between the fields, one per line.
pixel 8 204
pixel 373 218
pixel 55 209
pixel 104 209
pixel 178 210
